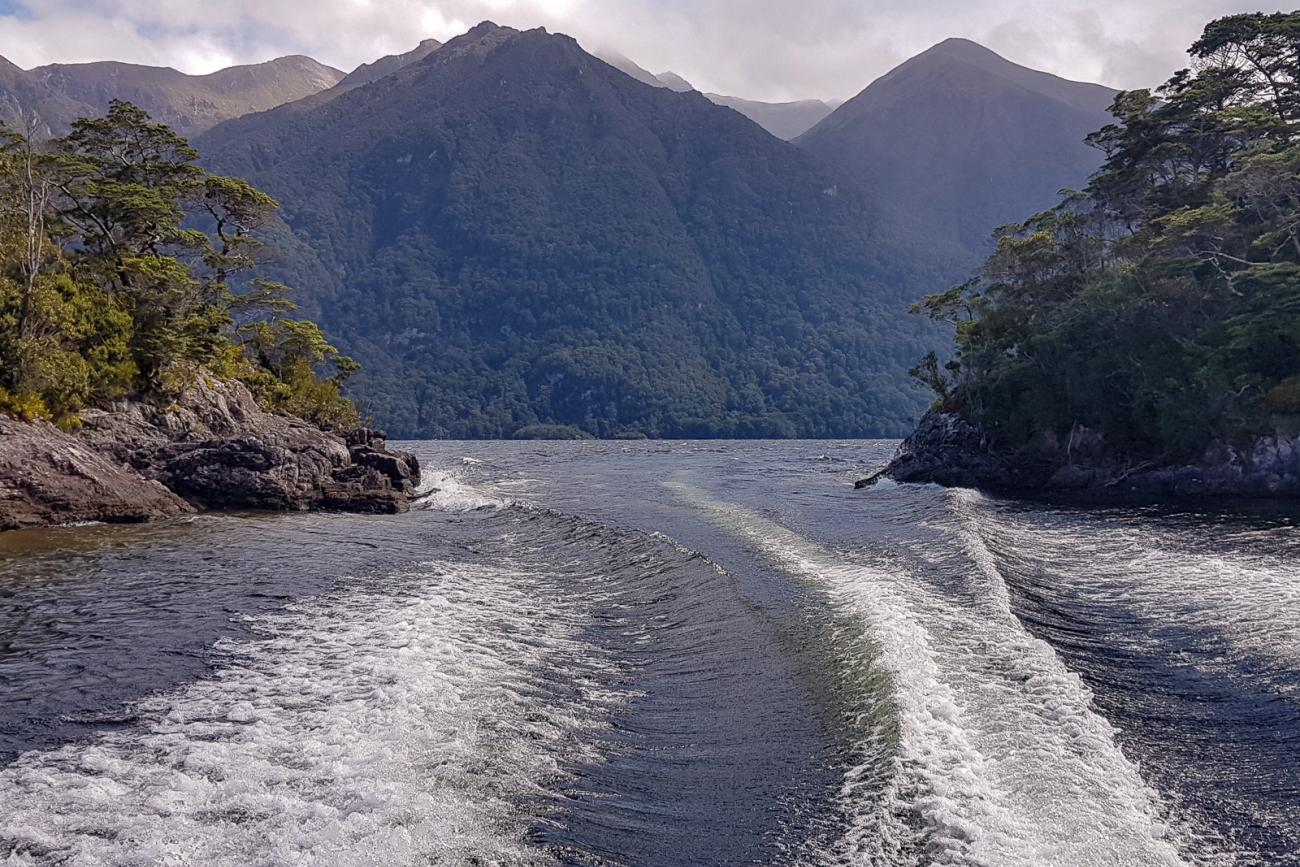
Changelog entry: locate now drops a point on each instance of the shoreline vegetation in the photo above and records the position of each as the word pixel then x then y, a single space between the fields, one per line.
pixel 145 369
pixel 1143 336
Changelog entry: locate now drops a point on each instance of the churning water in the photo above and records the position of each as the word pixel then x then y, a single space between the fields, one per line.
pixel 687 653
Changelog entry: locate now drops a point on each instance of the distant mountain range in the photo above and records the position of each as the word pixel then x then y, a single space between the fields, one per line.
pixel 785 120
pixel 188 103
pixel 963 141
pixel 508 231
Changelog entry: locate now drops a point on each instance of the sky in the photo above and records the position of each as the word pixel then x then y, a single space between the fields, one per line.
pixel 760 49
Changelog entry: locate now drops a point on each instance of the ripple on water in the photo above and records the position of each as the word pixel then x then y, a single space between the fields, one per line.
pixel 403 727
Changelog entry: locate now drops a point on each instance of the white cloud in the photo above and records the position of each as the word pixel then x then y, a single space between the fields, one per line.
pixel 767 49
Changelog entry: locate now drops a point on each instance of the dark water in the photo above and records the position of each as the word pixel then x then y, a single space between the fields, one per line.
pixel 689 653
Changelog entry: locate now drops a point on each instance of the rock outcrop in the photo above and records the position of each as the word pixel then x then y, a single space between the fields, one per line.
pixel 948 450
pixel 214 448
pixel 49 477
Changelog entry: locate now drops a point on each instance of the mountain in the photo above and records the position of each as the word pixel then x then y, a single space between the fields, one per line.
pixel 787 120
pixel 961 140
pixel 675 82
pixel 25 101
pixel 629 67
pixel 368 72
pixel 189 103
pixel 511 233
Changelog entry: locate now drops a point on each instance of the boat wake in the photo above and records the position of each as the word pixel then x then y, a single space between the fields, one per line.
pixel 406 726
pixel 998 755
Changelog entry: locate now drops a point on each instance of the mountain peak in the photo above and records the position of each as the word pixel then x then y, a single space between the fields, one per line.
pixel 968 54
pixel 966 139
pixel 966 49
pixel 485 28
pixel 957 52
pixel 480 38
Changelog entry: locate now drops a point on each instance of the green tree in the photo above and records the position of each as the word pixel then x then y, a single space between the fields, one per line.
pixel 118 253
pixel 1161 306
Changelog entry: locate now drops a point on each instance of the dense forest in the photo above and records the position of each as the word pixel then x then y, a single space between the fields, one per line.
pixel 1159 306
pixel 119 256
pixel 510 233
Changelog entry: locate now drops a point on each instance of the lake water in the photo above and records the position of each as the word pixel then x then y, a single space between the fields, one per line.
pixel 656 653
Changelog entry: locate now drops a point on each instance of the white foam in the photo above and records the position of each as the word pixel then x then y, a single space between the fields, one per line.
pixel 445 492
pixel 360 729
pixel 1000 758
pixel 1238 597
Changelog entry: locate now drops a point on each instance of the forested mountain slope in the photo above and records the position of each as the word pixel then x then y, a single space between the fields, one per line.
pixel 962 141
pixel 511 232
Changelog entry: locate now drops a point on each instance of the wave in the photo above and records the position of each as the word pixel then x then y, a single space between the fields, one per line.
pixel 398 727
pixel 1000 757
pixel 1243 599
pixel 444 491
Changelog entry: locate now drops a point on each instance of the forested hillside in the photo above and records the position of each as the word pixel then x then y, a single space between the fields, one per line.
pixel 1160 309
pixel 510 232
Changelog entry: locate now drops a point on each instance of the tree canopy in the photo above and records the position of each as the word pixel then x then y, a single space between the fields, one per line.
pixel 1160 305
pixel 118 254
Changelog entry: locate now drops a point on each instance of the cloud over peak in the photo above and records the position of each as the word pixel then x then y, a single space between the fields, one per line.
pixel 761 49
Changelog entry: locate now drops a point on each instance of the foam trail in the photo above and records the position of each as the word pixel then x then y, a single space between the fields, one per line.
pixel 1247 599
pixel 445 492
pixel 1000 758
pixel 403 727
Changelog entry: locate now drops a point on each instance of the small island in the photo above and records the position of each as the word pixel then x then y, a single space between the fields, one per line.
pixel 145 369
pixel 1142 337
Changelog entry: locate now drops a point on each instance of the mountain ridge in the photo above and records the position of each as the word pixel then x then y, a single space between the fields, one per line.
pixel 377 69
pixel 27 105
pixel 188 103
pixel 580 249
pixel 785 120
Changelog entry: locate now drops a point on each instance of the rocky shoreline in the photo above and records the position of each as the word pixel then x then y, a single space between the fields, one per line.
pixel 213 449
pixel 948 450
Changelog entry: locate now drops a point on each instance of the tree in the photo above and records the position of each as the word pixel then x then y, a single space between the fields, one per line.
pixel 1162 304
pixel 117 258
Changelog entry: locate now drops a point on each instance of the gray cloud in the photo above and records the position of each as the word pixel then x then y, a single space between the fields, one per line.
pixel 762 49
